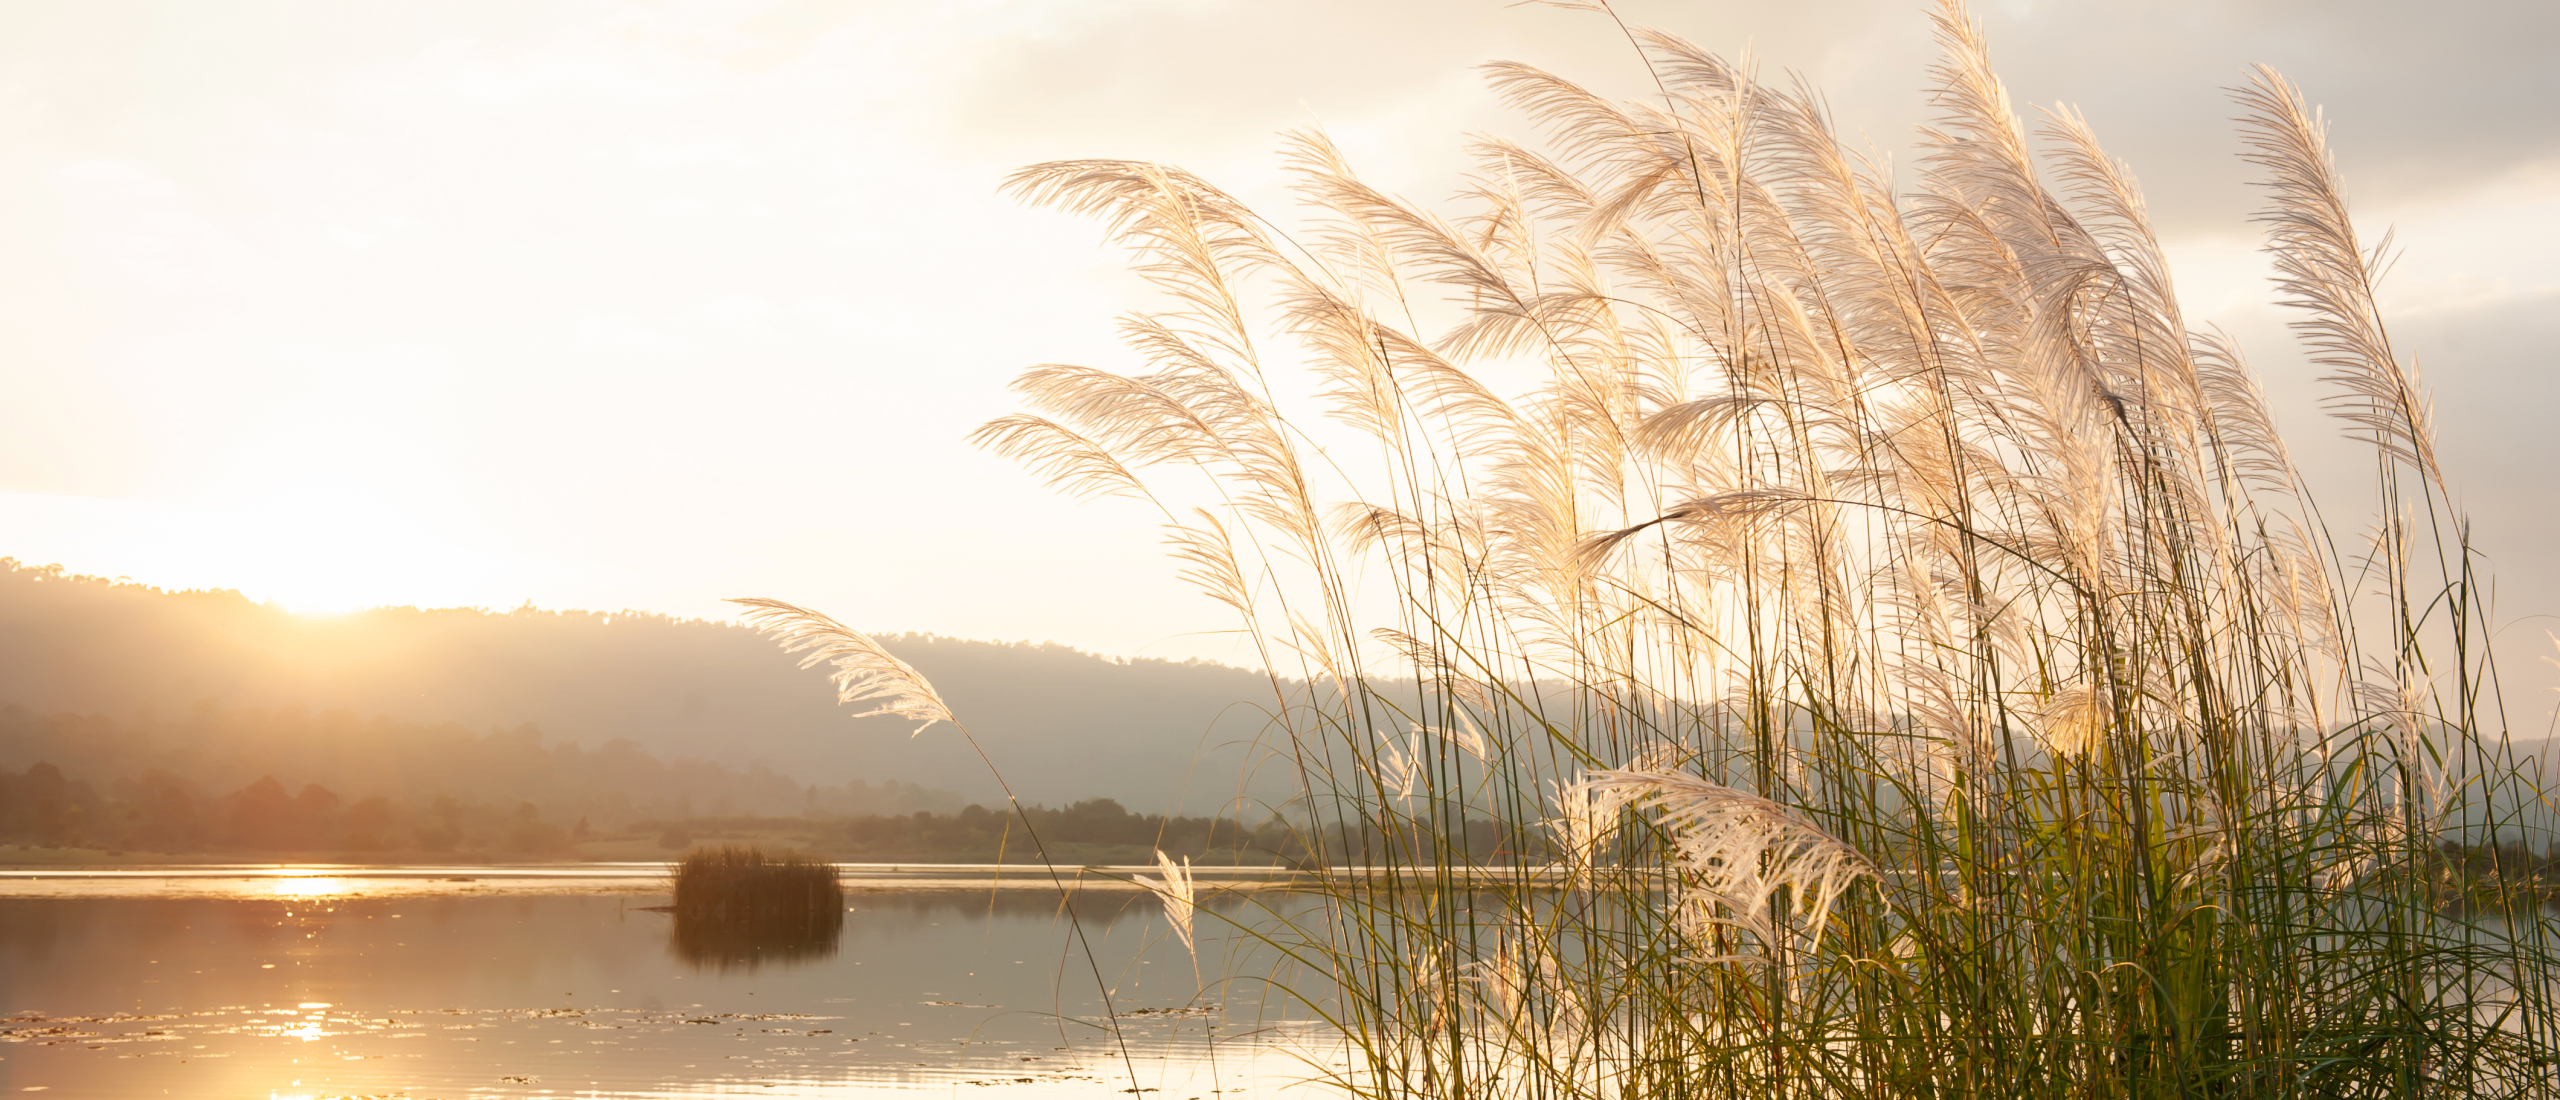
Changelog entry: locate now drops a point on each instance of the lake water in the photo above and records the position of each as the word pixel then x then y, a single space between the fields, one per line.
pixel 328 982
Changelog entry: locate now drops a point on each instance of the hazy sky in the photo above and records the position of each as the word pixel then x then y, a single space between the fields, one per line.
pixel 641 305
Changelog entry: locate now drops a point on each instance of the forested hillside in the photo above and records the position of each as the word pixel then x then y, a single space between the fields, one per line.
pixel 1159 736
pixel 291 780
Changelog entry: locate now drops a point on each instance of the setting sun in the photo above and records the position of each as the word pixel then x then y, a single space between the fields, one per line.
pixel 1179 549
pixel 314 887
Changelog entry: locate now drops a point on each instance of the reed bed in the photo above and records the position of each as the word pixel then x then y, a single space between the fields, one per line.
pixel 1894 649
pixel 1908 639
pixel 742 905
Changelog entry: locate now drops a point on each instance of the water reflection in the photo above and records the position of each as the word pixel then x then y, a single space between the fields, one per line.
pixel 740 907
pixel 509 995
pixel 726 941
pixel 314 887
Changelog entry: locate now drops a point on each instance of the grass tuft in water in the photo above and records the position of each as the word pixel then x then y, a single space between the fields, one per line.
pixel 742 904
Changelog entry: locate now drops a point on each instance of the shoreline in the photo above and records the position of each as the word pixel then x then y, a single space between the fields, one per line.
pixel 15 858
pixel 288 881
pixel 319 879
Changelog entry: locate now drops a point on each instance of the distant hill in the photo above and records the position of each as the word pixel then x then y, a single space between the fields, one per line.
pixel 1064 725
pixel 221 779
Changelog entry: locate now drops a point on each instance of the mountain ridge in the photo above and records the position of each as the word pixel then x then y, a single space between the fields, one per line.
pixel 1160 735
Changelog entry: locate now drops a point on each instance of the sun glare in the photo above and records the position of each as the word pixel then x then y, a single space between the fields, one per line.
pixel 311 885
pixel 315 549
pixel 314 606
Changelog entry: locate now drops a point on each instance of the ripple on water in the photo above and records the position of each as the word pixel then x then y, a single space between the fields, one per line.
pixel 459 993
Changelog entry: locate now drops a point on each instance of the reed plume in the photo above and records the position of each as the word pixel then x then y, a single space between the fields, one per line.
pixel 1742 855
pixel 864 672
pixel 867 672
pixel 1179 897
pixel 1886 652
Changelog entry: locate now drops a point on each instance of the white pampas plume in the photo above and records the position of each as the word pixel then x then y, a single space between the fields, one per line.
pixel 1739 849
pixel 1399 768
pixel 1469 737
pixel 1176 890
pixel 1585 816
pixel 1465 735
pixel 1502 980
pixel 864 671
pixel 2073 720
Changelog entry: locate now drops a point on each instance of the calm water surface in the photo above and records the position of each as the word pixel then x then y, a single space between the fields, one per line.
pixel 337 991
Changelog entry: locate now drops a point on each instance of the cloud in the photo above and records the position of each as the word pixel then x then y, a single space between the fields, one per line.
pixel 2494 372
pixel 2421 98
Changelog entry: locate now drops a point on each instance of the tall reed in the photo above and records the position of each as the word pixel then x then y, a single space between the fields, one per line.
pixel 1896 649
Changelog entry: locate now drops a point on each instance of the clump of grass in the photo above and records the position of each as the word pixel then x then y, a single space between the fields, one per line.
pixel 746 883
pixel 1911 640
pixel 741 903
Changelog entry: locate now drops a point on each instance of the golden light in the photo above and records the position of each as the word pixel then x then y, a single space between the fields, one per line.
pixel 314 886
pixel 312 543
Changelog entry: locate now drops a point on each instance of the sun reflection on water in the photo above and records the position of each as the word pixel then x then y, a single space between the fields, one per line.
pixel 429 1013
pixel 310 884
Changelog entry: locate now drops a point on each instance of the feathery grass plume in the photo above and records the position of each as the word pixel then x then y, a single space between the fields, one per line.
pixel 2073 720
pixel 1876 579
pixel 1399 768
pixel 1464 735
pixel 2323 270
pixel 1586 815
pixel 1743 854
pixel 1070 463
pixel 864 671
pixel 1179 898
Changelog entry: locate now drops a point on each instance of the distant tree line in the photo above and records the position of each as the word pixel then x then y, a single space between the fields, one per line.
pixel 289 780
pixel 1101 830
pixel 2499 873
pixel 1076 833
pixel 159 812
